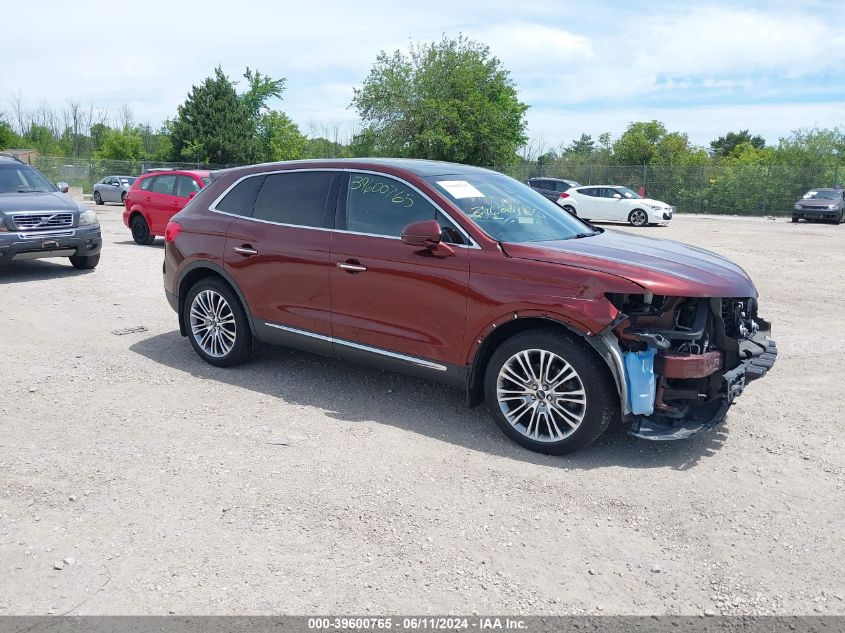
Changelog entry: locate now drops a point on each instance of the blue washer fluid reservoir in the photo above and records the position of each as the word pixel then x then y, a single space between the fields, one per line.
pixel 639 372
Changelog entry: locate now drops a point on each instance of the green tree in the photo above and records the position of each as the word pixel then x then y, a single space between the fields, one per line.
pixel 279 138
pixel 581 146
pixel 727 144
pixel 126 144
pixel 8 138
pixel 638 144
pixel 261 88
pixel 41 139
pixel 450 100
pixel 214 125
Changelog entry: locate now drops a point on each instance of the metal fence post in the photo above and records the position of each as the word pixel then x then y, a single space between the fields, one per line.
pixel 645 178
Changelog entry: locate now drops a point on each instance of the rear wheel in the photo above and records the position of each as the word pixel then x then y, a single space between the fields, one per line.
pixel 795 218
pixel 98 199
pixel 141 231
pixel 123 198
pixel 570 209
pixel 549 392
pixel 638 217
pixel 217 324
pixel 85 262
pixel 839 218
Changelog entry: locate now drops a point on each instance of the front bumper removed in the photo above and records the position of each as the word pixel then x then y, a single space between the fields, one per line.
pixel 760 353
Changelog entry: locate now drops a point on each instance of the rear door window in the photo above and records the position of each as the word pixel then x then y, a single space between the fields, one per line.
pixel 297 198
pixel 164 184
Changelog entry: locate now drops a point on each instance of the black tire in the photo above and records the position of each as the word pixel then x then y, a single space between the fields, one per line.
pixel 141 231
pixel 241 349
pixel 601 402
pixel 569 208
pixel 85 262
pixel 98 199
pixel 838 219
pixel 123 198
pixel 638 217
pixel 795 218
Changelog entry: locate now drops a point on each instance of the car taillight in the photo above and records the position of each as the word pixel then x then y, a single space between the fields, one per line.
pixel 171 231
pixel 564 195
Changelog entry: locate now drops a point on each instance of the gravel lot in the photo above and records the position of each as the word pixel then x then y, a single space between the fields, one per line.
pixel 300 485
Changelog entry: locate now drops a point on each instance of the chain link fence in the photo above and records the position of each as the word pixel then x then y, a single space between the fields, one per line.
pixel 84 172
pixel 719 189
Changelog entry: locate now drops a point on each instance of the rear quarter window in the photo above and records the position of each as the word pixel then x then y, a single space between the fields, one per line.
pixel 239 200
pixel 146 182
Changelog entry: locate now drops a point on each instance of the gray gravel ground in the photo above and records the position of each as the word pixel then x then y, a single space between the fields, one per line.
pixel 297 484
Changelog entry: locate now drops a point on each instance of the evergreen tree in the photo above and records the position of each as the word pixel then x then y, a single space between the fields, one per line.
pixel 214 125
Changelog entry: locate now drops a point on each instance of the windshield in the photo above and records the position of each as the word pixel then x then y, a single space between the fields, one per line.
pixel 18 178
pixel 822 195
pixel 507 210
pixel 628 193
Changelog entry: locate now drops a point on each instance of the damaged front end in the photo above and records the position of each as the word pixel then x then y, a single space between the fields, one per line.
pixel 687 359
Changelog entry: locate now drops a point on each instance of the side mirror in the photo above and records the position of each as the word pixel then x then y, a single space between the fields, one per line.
pixel 192 194
pixel 426 234
pixel 63 187
pixel 617 196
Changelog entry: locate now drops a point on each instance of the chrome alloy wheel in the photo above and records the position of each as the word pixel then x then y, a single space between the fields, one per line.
pixel 213 323
pixel 639 218
pixel 541 395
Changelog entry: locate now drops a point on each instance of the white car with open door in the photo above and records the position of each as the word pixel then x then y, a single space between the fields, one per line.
pixel 611 203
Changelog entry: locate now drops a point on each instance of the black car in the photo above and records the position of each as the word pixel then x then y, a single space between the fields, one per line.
pixel 551 187
pixel 820 205
pixel 38 220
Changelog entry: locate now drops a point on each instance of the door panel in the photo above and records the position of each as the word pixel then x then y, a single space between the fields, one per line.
pixel 161 203
pixel 389 295
pixel 283 270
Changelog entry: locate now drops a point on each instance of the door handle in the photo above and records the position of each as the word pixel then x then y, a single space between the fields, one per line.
pixel 245 250
pixel 351 268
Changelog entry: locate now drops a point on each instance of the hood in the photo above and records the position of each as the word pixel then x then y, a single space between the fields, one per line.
pixel 823 203
pixel 650 201
pixel 661 266
pixel 51 201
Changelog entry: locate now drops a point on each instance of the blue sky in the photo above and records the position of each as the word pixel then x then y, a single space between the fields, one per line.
pixel 702 68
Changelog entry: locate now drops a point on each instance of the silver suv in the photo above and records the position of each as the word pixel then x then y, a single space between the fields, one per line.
pixel 38 220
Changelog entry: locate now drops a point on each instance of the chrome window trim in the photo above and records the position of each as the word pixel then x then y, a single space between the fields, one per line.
pixel 375 350
pixel 213 206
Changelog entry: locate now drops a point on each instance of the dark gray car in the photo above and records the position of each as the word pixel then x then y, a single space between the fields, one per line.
pixel 551 187
pixel 820 205
pixel 38 220
pixel 112 189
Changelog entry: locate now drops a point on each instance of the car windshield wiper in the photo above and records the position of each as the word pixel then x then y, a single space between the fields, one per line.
pixel 578 236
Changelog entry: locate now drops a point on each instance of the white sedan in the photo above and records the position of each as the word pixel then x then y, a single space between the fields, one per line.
pixel 609 203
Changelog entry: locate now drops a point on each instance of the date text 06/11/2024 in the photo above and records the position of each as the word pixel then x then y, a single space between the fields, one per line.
pixel 431 623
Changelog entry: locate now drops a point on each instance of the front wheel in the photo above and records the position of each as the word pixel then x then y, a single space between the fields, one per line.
pixel 217 324
pixel 85 262
pixel 549 392
pixel 638 217
pixel 141 231
pixel 794 219
pixel 838 219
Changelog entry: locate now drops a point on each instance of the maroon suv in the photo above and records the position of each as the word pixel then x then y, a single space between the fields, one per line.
pixel 469 277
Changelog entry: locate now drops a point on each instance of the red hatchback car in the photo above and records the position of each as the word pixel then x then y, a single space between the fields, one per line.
pixel 467 276
pixel 156 197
